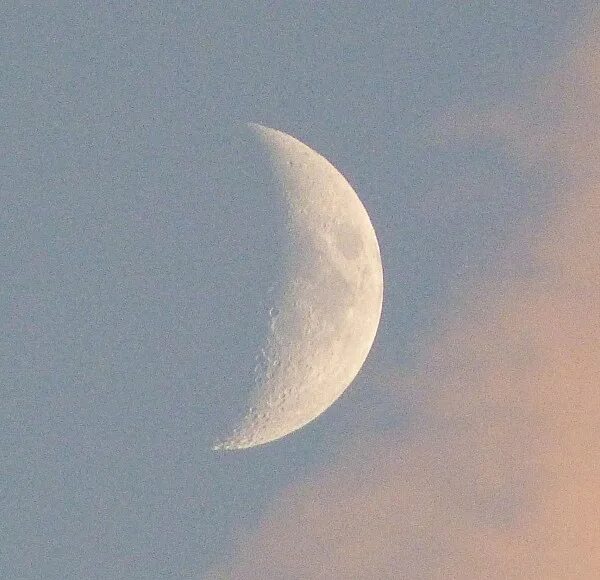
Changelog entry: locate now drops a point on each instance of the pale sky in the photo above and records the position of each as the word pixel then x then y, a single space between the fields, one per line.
pixel 467 446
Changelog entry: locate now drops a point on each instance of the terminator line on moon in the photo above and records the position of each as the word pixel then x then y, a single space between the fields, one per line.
pixel 324 323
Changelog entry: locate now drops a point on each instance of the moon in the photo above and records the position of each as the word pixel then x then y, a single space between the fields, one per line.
pixel 323 321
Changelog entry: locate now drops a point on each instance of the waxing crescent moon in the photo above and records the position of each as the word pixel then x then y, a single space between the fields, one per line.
pixel 323 322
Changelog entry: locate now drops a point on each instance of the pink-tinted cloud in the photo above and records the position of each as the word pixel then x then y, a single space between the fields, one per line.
pixel 500 476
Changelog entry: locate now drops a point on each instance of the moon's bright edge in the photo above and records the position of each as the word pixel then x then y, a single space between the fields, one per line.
pixel 325 321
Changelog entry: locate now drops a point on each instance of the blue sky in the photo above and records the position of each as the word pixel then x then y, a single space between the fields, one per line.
pixel 107 110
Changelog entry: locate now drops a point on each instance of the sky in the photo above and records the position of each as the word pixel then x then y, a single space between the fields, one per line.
pixel 468 445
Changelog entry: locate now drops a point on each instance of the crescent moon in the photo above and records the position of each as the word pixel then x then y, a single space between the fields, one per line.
pixel 324 321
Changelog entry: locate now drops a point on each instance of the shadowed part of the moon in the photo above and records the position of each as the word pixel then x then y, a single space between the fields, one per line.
pixel 246 249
